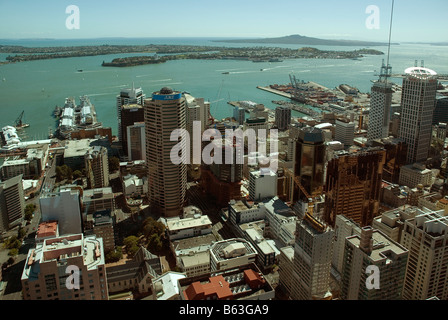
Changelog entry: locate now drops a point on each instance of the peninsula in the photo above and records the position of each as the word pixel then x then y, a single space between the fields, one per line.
pixel 162 53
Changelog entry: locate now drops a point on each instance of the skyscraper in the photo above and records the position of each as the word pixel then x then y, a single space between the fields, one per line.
pixel 344 131
pixel 372 250
pixel 164 113
pixel 130 114
pixel 309 162
pixel 12 203
pixel 312 260
pixel 417 106
pixel 282 117
pixel 353 185
pixel 128 96
pixel 97 167
pixel 380 103
pixel 426 238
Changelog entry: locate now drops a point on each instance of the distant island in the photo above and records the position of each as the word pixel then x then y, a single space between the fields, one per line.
pixel 156 54
pixel 303 40
pixel 258 54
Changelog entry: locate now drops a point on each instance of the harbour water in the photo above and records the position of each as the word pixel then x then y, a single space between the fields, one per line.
pixel 36 87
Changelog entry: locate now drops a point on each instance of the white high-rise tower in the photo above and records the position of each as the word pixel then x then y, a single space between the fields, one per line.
pixel 417 106
pixel 380 102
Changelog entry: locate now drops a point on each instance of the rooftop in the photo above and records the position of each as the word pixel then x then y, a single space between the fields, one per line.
pixel 47 229
pixel 383 249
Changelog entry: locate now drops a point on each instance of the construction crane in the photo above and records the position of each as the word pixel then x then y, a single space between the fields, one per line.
pixel 317 225
pixel 19 124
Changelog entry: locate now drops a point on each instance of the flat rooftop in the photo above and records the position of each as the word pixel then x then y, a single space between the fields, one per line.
pixel 383 247
pixel 175 224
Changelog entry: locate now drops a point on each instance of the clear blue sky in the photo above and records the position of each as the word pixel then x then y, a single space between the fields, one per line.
pixel 345 19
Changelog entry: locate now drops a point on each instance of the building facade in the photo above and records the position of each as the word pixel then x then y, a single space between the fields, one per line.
pixel 164 113
pixel 46 275
pixel 417 105
pixel 426 238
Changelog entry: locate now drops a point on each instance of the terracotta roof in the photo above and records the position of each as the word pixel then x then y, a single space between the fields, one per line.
pixel 47 229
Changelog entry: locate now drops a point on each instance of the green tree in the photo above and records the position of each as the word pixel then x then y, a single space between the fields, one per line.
pixel 13 252
pixel 114 255
pixel 155 243
pixel 21 233
pixel 114 164
pixel 151 226
pixel 77 174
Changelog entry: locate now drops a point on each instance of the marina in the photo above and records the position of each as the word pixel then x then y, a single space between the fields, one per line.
pixel 73 117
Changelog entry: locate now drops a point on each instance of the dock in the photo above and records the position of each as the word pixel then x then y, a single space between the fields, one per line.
pixel 277 92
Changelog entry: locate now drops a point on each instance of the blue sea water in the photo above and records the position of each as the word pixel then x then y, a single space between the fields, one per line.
pixel 36 87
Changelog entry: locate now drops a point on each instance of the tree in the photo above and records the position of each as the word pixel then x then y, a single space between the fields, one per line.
pixel 13 252
pixel 114 256
pixel 21 233
pixel 131 245
pixel 77 174
pixel 114 164
pixel 155 243
pixel 151 226
pixel 64 172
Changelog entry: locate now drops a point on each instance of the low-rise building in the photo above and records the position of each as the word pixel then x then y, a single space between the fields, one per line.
pixel 243 283
pixel 46 230
pixel 136 274
pixel 231 253
pixel 179 228
pixel 166 286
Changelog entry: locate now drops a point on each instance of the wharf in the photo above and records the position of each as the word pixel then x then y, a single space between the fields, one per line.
pixel 277 92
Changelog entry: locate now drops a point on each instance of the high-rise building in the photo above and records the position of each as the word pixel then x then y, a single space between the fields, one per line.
pixel 313 249
pixel 282 117
pixel 344 132
pixel 417 107
pixel 426 238
pixel 64 207
pixel 128 96
pixel 69 267
pixel 97 167
pixel 380 106
pixel 239 114
pixel 197 115
pixel 368 255
pixel 12 203
pixel 164 113
pixel 223 180
pixel 396 151
pixel 130 114
pixel 262 184
pixel 136 141
pixel 441 110
pixel 353 185
pixel 309 162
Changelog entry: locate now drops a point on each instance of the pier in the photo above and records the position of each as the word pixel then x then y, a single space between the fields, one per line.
pixel 277 92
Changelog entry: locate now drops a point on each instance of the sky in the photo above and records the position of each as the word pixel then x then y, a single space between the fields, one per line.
pixel 414 21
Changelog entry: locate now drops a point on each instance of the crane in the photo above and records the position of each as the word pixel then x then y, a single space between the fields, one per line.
pixel 19 124
pixel 317 225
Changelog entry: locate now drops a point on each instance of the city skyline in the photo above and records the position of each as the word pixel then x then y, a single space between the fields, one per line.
pixel 249 19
